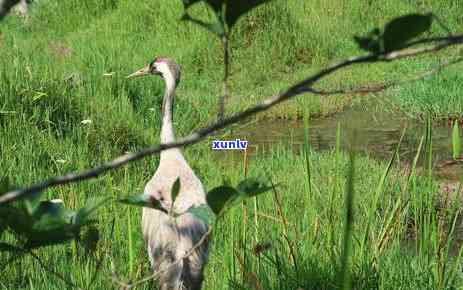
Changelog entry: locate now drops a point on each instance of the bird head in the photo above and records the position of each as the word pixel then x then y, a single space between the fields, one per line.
pixel 164 67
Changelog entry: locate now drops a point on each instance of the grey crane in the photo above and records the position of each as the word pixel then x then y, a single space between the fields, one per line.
pixel 168 240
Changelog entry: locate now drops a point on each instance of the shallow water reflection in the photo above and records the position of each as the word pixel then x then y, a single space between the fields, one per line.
pixel 377 135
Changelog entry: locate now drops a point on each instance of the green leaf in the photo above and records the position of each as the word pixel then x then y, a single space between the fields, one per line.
pixel 48 223
pixel 143 200
pixel 51 225
pixel 16 217
pixel 237 8
pixel 370 42
pixel 234 9
pixel 223 197
pixel 50 215
pixel 399 31
pixel 175 189
pixel 204 213
pixel 54 236
pixel 456 141
pixel 219 197
pixel 253 186
pixel 82 216
pixel 216 28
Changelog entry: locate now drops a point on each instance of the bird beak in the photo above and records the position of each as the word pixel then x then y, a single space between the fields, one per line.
pixel 140 73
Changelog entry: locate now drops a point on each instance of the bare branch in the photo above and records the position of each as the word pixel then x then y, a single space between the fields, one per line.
pixel 200 134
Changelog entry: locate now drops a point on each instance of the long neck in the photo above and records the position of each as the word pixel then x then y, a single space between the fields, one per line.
pixel 167 129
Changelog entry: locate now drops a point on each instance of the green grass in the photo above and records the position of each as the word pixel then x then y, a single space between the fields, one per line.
pixel 388 257
pixel 51 78
pixel 439 95
pixel 100 36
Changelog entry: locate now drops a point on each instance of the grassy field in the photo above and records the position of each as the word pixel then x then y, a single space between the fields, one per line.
pixel 51 78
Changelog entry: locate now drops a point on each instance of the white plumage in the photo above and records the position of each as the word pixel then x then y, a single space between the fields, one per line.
pixel 168 239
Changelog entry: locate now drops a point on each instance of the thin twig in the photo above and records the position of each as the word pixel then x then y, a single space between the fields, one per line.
pixel 200 134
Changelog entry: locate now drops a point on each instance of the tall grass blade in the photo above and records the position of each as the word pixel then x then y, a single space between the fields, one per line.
pixel 382 181
pixel 455 267
pixel 380 189
pixel 450 236
pixel 456 141
pixel 307 152
pixel 346 281
pixel 130 242
pixel 429 146
pixel 338 139
pixel 414 163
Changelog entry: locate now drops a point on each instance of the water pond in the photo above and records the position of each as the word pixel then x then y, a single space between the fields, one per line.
pixel 377 135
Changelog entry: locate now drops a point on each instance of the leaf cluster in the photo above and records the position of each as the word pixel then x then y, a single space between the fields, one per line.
pixel 223 197
pixel 219 199
pixel 396 34
pixel 41 223
pixel 227 13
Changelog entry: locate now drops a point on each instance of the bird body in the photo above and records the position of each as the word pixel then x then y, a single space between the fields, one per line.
pixel 169 239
